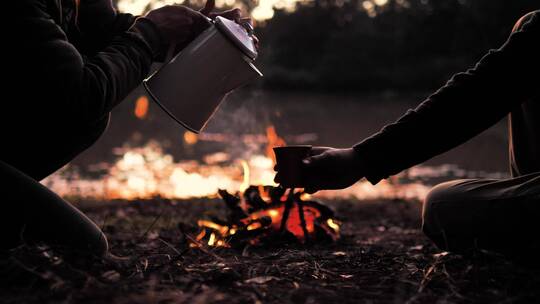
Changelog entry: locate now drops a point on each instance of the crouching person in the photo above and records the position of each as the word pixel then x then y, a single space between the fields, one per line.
pixel 498 215
pixel 75 61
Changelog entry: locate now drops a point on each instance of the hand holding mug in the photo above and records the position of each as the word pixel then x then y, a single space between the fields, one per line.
pixel 289 165
pixel 323 168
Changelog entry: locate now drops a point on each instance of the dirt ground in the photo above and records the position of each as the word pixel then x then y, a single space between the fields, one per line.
pixel 382 257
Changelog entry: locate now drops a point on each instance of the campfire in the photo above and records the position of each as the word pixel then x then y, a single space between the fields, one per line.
pixel 263 214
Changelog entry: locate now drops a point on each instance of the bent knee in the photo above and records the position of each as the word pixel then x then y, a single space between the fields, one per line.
pixel 101 246
pixel 437 199
pixel 445 192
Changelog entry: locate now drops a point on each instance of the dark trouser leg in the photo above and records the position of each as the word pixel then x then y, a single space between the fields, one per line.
pixel 524 131
pixel 498 215
pixel 524 138
pixel 32 211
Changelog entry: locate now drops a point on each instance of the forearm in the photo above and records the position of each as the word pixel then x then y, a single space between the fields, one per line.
pixel 109 75
pixel 97 35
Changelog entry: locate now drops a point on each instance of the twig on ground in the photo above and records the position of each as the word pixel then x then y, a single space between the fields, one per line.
pixel 152 225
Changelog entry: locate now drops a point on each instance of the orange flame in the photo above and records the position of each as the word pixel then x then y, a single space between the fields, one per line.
pixel 190 138
pixel 273 141
pixel 215 226
pixel 333 224
pixel 246 180
pixel 254 226
pixel 141 107
pixel 293 224
pixel 212 239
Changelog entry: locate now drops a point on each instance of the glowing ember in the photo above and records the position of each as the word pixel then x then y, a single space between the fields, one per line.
pixel 332 224
pixel 266 213
pixel 141 107
pixel 190 138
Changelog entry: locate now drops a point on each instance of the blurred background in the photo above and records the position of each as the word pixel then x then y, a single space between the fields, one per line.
pixel 368 45
pixel 335 71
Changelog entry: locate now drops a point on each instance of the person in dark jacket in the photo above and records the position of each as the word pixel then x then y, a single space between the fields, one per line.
pixel 499 215
pixel 68 63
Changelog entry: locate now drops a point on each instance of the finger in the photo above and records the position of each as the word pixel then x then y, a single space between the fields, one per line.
pixel 208 7
pixel 318 150
pixel 314 181
pixel 315 177
pixel 245 20
pixel 233 14
pixel 256 42
pixel 186 15
pixel 312 162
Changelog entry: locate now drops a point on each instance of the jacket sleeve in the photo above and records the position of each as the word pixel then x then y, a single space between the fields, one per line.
pixel 99 22
pixel 467 105
pixel 86 87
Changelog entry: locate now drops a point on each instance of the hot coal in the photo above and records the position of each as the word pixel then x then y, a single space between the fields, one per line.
pixel 263 214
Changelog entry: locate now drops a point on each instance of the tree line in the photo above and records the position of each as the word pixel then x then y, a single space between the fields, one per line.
pixel 402 45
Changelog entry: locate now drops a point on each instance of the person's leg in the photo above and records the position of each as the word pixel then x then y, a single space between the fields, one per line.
pixel 524 130
pixel 524 138
pixel 494 214
pixel 33 213
pixel 30 210
pixel 498 215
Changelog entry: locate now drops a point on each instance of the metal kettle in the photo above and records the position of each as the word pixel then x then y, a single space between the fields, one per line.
pixel 192 85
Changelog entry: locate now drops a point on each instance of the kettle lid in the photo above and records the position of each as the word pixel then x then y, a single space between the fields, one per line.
pixel 238 35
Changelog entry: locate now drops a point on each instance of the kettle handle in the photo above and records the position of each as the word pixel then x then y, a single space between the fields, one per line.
pixel 246 24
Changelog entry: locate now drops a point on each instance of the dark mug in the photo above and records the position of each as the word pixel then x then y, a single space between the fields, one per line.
pixel 289 163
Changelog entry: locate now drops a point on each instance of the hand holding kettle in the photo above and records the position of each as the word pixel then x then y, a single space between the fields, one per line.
pixel 179 25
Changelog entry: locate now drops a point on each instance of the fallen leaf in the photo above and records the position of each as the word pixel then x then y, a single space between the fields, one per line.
pixel 261 280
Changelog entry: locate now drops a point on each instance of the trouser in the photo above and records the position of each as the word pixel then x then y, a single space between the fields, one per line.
pixel 30 211
pixel 498 215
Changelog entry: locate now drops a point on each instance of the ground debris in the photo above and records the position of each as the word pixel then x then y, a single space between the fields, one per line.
pixel 155 263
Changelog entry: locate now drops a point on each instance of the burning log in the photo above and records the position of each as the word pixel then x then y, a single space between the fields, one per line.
pixel 263 214
pixel 233 203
